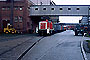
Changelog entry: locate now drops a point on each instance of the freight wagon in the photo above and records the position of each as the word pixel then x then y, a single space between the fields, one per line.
pixel 58 27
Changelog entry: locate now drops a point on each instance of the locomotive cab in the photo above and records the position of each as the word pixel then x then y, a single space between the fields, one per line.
pixel 45 27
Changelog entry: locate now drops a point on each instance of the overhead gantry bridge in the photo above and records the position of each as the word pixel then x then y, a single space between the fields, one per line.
pixel 60 10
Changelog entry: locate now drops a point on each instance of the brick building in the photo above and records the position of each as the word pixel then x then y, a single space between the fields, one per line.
pixel 21 19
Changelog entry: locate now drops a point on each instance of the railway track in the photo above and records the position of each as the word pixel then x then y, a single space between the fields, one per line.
pixel 28 49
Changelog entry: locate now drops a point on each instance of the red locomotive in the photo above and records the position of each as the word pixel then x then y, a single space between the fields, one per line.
pixel 45 27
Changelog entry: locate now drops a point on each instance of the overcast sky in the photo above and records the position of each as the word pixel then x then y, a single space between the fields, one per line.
pixel 72 2
pixel 69 19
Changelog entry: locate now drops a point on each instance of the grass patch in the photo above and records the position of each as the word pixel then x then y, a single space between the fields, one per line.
pixel 87 34
pixel 88 43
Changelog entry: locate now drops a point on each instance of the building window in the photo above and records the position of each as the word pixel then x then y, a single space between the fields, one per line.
pixel 3 8
pixel 61 9
pixel 52 8
pixel 78 8
pixel 20 18
pixel 16 18
pixel 69 8
pixel 89 8
pixel 44 8
pixel 36 8
pixel 8 8
pixel 16 7
pixel 20 8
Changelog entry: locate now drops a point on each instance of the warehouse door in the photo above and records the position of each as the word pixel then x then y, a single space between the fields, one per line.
pixel 5 22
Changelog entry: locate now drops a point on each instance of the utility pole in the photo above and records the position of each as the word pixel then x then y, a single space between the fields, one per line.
pixel 41 3
pixel 88 18
pixel 37 2
pixel 11 17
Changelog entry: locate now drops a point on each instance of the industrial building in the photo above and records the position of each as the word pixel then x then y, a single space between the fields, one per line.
pixel 21 19
pixel 18 14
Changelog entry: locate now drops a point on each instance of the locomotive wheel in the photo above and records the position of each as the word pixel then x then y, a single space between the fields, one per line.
pixel 82 34
pixel 50 32
pixel 42 33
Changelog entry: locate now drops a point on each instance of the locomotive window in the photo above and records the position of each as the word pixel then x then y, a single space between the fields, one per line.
pixel 44 8
pixel 52 8
pixel 36 8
